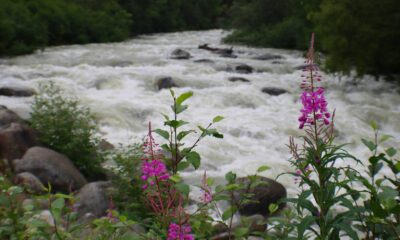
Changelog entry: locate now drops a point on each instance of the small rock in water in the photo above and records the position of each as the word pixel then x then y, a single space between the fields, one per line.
pixel 238 79
pixel 264 194
pixel 203 61
pixel 244 68
pixel 17 91
pixel 180 54
pixel 228 55
pixel 268 56
pixel 166 82
pixel 274 91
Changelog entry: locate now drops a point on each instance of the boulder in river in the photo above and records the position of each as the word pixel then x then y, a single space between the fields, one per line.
pixel 270 191
pixel 92 198
pixel 274 91
pixel 51 167
pixel 15 140
pixel 180 54
pixel 268 56
pixel 7 117
pixel 166 82
pixel 244 68
pixel 228 55
pixel 238 79
pixel 17 91
pixel 203 60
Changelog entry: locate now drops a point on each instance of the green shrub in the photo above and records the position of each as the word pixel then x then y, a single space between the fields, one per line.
pixel 68 128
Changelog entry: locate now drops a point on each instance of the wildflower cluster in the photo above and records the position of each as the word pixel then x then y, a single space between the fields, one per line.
pixel 313 99
pixel 206 196
pixel 179 232
pixel 153 169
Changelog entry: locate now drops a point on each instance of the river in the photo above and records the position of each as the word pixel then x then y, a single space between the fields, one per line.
pixel 118 82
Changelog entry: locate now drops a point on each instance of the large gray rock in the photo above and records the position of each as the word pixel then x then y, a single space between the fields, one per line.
pixel 263 195
pixel 15 140
pixel 238 79
pixel 7 117
pixel 273 91
pixel 166 82
pixel 17 91
pixel 51 167
pixel 92 198
pixel 180 54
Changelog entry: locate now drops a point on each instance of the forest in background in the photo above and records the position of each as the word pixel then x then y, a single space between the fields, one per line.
pixel 353 34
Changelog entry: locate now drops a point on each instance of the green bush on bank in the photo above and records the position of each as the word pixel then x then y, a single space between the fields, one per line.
pixel 68 128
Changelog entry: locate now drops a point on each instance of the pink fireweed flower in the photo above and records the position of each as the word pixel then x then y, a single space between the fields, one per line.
pixel 314 103
pixel 179 232
pixel 153 169
pixel 206 196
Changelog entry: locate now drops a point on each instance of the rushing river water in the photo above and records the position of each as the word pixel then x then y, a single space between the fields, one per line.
pixel 118 82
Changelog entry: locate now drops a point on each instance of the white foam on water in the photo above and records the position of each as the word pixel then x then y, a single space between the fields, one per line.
pixel 118 82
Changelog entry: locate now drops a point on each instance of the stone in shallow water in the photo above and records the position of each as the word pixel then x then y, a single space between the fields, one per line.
pixel 274 91
pixel 17 91
pixel 180 54
pixel 238 79
pixel 7 117
pixel 268 56
pixel 166 82
pixel 244 68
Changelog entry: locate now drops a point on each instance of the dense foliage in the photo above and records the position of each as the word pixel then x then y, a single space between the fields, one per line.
pixel 29 25
pixel 360 35
pixel 68 128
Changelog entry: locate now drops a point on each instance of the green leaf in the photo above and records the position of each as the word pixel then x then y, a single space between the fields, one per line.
pixel 183 165
pixel 230 176
pixel 172 92
pixel 263 168
pixel 304 224
pixel 179 108
pixel 58 203
pixel 273 207
pixel 183 134
pixel 176 178
pixel 232 187
pixel 228 213
pixel 241 232
pixel 217 119
pixel 162 133
pixel 194 159
pixel 183 188
pixel 175 123
pixel 374 125
pixel 165 147
pixel 369 144
pixel 183 97
pixel 391 152
pixel 210 181
pixel 218 135
pixel 221 197
pixel 385 138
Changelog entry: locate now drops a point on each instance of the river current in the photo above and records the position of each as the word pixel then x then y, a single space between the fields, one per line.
pixel 118 82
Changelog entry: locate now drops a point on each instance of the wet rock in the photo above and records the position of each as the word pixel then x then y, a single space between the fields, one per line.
pixel 180 54
pixel 268 56
pixel 166 82
pixel 121 64
pixel 228 55
pixel 7 117
pixel 30 182
pixel 244 68
pixel 204 61
pixel 263 194
pixel 104 145
pixel 92 198
pixel 277 62
pixel 273 91
pixel 15 140
pixel 17 91
pixel 51 167
pixel 238 79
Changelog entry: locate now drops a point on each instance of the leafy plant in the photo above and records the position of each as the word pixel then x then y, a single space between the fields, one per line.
pixel 68 128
